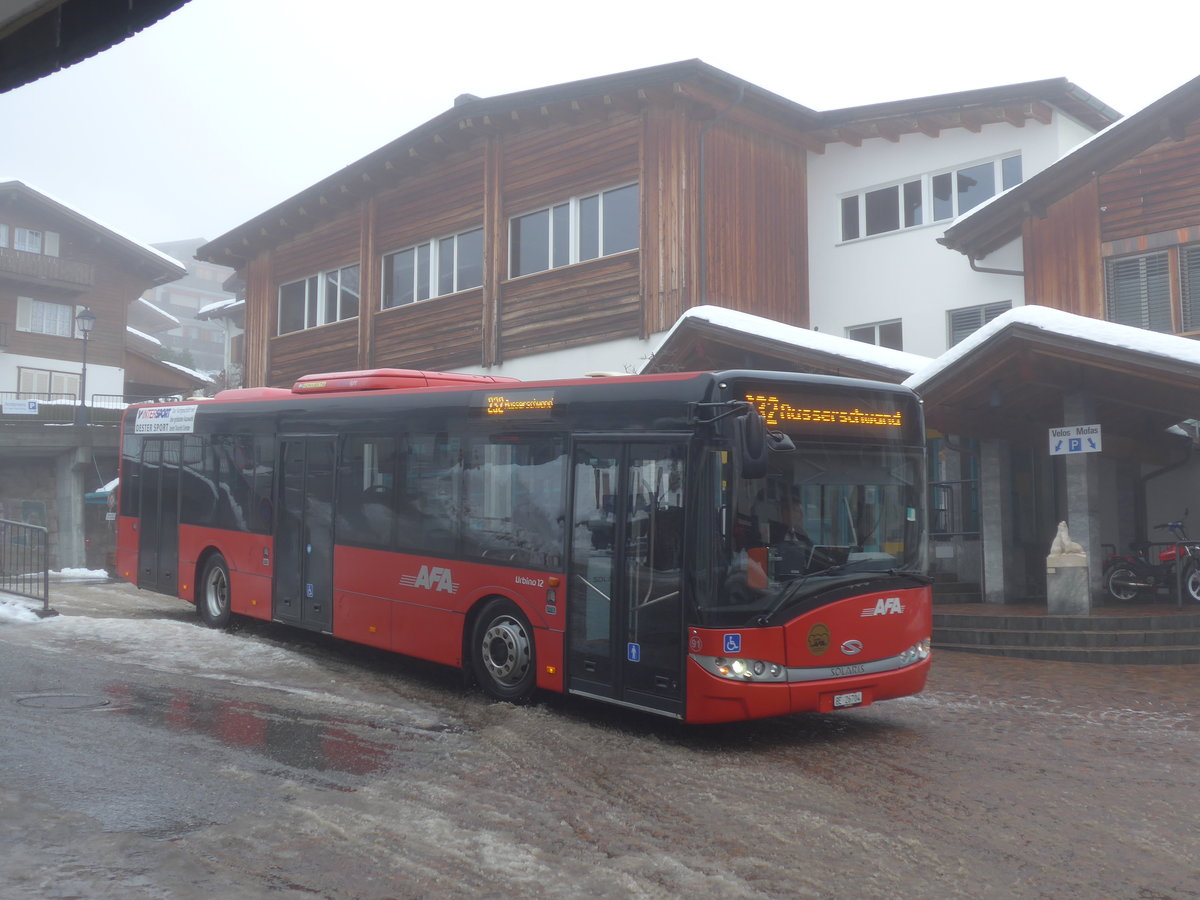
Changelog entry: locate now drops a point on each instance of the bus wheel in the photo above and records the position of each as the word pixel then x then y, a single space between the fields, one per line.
pixel 212 598
pixel 502 651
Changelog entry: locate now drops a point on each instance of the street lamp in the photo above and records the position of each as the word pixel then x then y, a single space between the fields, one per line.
pixel 85 321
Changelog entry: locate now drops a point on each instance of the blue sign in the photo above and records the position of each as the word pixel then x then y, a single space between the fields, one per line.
pixel 633 652
pixel 733 643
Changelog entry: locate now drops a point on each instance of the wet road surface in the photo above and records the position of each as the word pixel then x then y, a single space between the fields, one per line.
pixel 145 756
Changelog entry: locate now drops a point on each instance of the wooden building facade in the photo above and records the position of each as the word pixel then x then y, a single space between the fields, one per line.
pixel 711 170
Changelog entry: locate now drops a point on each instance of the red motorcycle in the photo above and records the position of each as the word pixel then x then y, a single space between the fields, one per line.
pixel 1125 577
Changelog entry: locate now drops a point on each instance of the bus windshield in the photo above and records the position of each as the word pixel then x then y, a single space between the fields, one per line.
pixel 824 515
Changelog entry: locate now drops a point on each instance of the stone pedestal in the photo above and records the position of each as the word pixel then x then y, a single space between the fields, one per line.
pixel 1067 592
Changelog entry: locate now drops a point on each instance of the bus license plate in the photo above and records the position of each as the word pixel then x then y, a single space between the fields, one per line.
pixel 841 701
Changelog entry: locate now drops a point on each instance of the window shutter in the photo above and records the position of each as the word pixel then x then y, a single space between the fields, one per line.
pixel 1189 278
pixel 963 322
pixel 1138 291
pixel 50 243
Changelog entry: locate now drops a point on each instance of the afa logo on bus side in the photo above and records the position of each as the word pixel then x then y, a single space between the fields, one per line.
pixel 432 578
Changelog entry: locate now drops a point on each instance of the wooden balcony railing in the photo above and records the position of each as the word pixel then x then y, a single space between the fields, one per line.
pixel 35 268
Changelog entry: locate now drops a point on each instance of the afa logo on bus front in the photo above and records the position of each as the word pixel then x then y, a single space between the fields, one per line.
pixel 165 420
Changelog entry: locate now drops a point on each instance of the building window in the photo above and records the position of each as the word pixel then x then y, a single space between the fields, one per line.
pixel 576 230
pixel 319 299
pixel 33 384
pixel 881 334
pixel 433 269
pixel 27 239
pixel 934 197
pixel 965 321
pixel 1137 291
pixel 40 317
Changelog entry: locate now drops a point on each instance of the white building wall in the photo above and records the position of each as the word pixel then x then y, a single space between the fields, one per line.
pixel 906 274
pixel 100 379
pixel 625 357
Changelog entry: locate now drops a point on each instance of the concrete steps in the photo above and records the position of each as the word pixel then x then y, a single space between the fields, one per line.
pixel 1130 639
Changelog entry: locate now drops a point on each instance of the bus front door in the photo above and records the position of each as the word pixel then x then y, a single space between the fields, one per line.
pixel 158 516
pixel 625 610
pixel 304 534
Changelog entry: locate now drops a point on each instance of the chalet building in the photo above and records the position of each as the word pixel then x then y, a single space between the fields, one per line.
pixel 566 229
pixel 1111 231
pixel 58 434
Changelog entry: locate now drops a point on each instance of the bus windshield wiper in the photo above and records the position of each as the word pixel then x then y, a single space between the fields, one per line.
pixel 789 593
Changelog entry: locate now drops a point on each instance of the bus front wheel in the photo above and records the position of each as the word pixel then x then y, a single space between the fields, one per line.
pixel 212 598
pixel 502 652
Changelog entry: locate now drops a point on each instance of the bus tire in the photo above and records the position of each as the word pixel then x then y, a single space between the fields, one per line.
pixel 501 651
pixel 212 594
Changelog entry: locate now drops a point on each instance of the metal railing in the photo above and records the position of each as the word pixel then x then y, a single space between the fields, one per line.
pixel 104 409
pixel 25 561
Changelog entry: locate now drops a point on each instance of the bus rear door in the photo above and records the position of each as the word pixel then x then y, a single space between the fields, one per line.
pixel 625 614
pixel 304 533
pixel 158 516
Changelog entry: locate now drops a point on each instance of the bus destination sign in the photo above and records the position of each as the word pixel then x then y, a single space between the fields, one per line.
pixel 518 403
pixel 779 411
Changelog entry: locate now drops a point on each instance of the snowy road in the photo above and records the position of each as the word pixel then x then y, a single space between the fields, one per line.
pixel 145 756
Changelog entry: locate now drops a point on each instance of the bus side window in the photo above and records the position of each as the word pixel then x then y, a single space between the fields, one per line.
pixel 428 507
pixel 366 491
pixel 513 501
pixel 131 472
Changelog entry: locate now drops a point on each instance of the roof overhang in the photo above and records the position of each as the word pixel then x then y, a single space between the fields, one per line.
pixel 38 37
pixel 996 223
pixel 709 338
pixel 1010 380
pixel 1014 104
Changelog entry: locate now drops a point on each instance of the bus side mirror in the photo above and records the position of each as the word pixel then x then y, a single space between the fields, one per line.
pixel 753 444
pixel 750 444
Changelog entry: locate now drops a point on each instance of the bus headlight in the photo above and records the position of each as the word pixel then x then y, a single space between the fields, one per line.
pixel 917 652
pixel 738 669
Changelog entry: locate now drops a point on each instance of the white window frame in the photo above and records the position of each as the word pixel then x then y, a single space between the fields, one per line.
pixel 925 216
pixel 875 326
pixel 32 316
pixel 573 253
pixel 432 264
pixel 319 308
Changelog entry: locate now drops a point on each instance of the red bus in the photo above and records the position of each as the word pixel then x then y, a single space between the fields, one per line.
pixel 705 546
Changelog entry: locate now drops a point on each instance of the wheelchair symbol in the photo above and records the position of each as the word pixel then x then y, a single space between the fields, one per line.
pixel 733 643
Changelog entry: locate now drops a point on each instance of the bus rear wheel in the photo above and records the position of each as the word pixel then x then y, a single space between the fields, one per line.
pixel 212 595
pixel 502 652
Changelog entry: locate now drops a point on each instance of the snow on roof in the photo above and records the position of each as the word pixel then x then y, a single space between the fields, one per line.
pixel 143 335
pixel 209 308
pixel 846 348
pixel 170 260
pixel 158 309
pixel 1055 321
pixel 199 376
